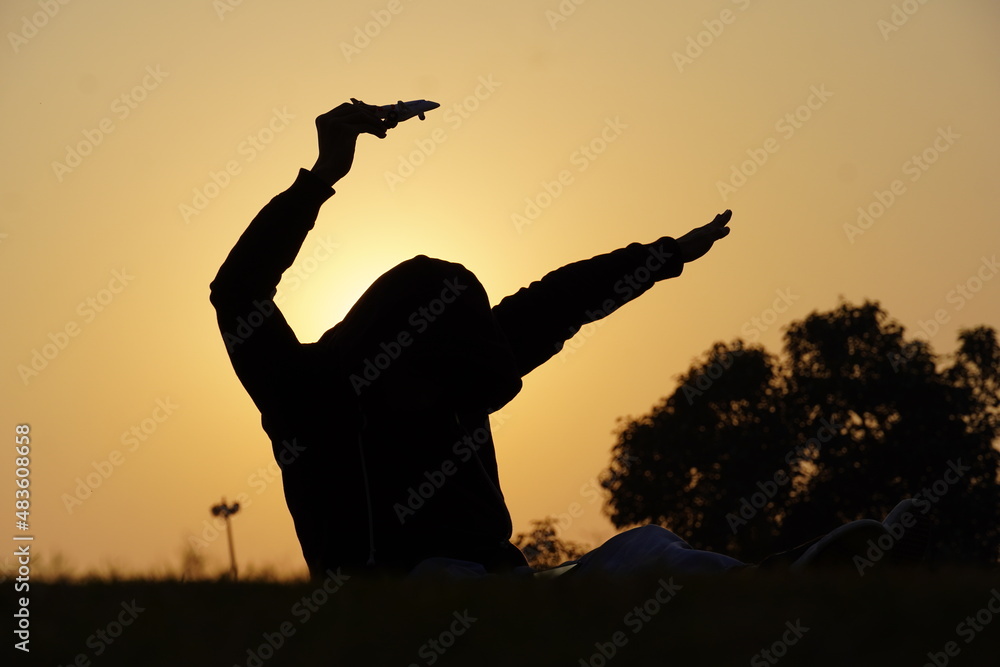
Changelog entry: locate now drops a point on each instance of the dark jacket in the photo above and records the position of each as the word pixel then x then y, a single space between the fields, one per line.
pixel 381 427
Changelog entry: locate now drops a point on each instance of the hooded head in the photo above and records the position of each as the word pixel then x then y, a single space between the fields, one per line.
pixel 423 334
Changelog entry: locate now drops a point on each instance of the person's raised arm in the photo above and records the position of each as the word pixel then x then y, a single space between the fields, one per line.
pixel 539 318
pixel 699 240
pixel 257 337
pixel 337 134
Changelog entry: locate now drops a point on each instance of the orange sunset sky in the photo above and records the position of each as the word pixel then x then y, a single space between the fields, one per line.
pixel 856 143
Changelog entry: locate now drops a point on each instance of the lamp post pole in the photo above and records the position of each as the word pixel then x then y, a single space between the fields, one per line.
pixel 225 511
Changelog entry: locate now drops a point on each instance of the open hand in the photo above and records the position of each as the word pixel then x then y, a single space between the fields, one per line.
pixel 699 241
pixel 337 132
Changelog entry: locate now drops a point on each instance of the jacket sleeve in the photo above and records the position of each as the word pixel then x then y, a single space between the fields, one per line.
pixel 260 343
pixel 539 318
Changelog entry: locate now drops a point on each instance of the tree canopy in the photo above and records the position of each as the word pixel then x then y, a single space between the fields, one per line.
pixel 754 453
pixel 543 548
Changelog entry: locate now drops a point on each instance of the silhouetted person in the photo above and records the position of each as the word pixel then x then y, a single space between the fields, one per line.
pixel 381 426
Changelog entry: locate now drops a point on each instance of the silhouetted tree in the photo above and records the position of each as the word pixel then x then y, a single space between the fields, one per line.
pixel 751 455
pixel 543 548
pixel 703 449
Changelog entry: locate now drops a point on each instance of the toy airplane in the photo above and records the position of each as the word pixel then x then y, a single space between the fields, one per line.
pixel 400 111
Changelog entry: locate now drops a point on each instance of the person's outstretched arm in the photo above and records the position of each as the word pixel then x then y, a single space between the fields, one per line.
pixel 258 339
pixel 538 319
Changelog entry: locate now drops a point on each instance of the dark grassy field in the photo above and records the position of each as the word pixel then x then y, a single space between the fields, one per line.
pixel 900 618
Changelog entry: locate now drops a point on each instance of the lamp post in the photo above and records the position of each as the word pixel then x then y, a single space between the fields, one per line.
pixel 225 511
